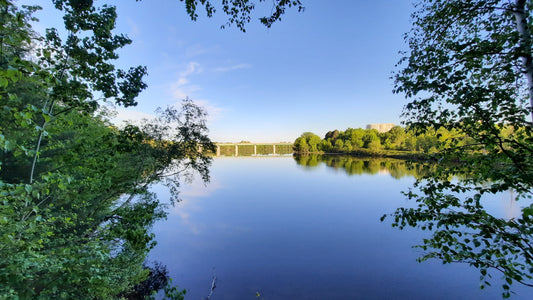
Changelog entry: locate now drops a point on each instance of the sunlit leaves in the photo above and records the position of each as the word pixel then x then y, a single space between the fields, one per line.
pixel 78 227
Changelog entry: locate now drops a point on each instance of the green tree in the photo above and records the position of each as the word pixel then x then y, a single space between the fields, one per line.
pixel 300 145
pixel 427 141
pixel 76 210
pixel 410 142
pixel 348 146
pixel 332 136
pixel 339 145
pixel 312 140
pixel 355 136
pixel 396 137
pixel 371 136
pixel 374 145
pixel 326 146
pixel 470 68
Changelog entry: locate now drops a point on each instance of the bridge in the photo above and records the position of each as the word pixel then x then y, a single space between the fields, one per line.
pixel 253 149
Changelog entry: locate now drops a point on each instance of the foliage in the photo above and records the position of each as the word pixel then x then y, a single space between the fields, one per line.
pixel 158 279
pixel 300 145
pixel 358 140
pixel 239 13
pixel 307 142
pixel 75 208
pixel 470 71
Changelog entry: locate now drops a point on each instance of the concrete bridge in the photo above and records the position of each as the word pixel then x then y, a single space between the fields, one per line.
pixel 253 149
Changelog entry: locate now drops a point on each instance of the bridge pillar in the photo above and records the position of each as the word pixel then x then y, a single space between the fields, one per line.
pixel 274 149
pixel 236 150
pixel 255 150
pixel 218 150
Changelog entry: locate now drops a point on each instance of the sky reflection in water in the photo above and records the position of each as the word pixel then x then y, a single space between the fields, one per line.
pixel 305 231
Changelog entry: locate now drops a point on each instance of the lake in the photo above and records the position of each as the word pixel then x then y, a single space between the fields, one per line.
pixel 281 228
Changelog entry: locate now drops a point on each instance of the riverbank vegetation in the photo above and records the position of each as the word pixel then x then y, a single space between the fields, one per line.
pixel 75 205
pixel 397 142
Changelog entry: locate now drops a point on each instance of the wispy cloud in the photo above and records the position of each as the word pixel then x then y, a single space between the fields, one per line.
pixel 184 87
pixel 191 68
pixel 233 68
pixel 181 88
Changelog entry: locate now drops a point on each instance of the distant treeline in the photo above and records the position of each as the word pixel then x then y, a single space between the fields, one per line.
pixel 354 140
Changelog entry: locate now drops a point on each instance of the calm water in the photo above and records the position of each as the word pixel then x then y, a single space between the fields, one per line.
pixel 306 230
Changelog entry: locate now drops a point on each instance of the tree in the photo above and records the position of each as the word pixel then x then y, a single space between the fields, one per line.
pixel 76 209
pixel 355 136
pixel 332 136
pixel 347 146
pixel 300 145
pixel 312 140
pixel 427 141
pixel 307 142
pixel 339 145
pixel 238 12
pixel 410 142
pixel 470 68
pixel 371 137
pixel 397 137
pixel 326 146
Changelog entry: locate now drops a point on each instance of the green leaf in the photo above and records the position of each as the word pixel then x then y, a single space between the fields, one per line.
pixel 3 82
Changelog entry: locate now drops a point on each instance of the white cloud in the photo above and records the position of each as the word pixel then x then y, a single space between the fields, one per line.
pixel 182 81
pixel 191 68
pixel 182 88
pixel 179 93
pixel 182 91
pixel 233 68
pixel 131 116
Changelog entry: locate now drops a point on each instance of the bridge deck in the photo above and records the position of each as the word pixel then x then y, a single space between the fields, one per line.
pixel 265 148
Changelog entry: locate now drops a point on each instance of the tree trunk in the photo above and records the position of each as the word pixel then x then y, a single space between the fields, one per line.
pixel 525 45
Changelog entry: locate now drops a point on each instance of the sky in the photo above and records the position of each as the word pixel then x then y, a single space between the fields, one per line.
pixel 326 68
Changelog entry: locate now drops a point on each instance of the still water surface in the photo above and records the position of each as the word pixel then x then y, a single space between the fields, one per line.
pixel 290 229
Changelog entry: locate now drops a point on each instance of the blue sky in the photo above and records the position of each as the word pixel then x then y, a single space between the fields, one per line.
pixel 326 68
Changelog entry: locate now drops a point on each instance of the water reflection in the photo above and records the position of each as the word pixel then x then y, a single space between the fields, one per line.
pixel 300 231
pixel 450 209
pixel 359 166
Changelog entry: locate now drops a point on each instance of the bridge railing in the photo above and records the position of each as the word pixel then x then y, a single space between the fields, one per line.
pixel 253 149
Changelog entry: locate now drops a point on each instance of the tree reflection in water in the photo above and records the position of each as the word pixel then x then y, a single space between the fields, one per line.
pixel 448 204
